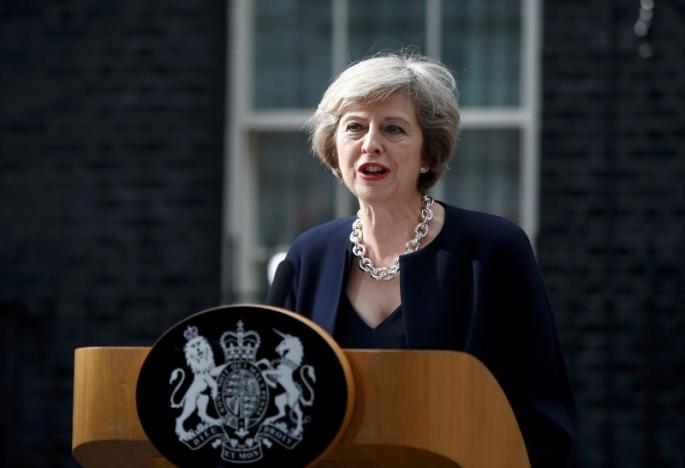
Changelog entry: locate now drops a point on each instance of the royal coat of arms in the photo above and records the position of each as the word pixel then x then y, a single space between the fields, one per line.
pixel 231 404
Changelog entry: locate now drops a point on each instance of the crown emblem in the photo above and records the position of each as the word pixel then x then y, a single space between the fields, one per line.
pixel 190 332
pixel 240 345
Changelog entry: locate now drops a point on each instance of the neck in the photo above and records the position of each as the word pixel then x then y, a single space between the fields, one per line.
pixel 387 228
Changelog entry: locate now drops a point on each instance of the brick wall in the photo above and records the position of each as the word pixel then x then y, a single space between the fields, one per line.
pixel 111 149
pixel 612 240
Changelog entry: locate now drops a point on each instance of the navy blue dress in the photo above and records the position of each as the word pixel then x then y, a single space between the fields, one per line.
pixel 352 332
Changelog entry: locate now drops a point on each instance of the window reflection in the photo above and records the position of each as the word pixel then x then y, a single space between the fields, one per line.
pixel 296 192
pixel 384 25
pixel 292 52
pixel 484 173
pixel 481 43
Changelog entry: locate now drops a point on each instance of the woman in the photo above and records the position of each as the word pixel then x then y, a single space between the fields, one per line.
pixel 408 272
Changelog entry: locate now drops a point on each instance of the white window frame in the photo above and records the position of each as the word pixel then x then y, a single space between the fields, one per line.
pixel 241 255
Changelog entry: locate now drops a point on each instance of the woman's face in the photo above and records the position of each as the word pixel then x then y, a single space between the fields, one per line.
pixel 379 150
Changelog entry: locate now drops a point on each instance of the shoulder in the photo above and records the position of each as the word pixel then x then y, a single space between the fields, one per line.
pixel 331 236
pixel 481 231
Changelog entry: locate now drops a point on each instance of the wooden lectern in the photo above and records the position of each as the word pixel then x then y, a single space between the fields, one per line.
pixel 412 409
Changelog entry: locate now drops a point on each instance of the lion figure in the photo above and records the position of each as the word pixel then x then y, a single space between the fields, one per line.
pixel 200 359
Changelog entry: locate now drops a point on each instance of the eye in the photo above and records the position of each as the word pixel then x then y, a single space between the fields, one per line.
pixel 352 127
pixel 395 130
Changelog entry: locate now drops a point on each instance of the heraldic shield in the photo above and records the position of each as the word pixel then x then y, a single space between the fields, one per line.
pixel 245 385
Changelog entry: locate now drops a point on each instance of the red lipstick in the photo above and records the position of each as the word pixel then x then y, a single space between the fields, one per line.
pixel 373 171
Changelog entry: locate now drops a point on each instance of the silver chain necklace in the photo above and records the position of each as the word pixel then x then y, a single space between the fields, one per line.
pixel 388 273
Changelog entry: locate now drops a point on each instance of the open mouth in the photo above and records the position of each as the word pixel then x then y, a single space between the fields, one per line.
pixel 373 169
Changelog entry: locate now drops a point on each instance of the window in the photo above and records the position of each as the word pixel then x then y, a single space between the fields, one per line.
pixel 281 58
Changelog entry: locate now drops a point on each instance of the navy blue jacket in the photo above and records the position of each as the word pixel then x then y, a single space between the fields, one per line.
pixel 476 288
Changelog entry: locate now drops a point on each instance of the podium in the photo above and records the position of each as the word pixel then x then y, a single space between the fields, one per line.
pixel 412 409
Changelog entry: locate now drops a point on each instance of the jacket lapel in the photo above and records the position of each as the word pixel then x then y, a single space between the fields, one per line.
pixel 333 282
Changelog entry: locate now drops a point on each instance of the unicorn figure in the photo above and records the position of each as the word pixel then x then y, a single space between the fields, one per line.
pixel 280 372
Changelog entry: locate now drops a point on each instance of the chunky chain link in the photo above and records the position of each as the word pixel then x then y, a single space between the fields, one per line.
pixel 389 272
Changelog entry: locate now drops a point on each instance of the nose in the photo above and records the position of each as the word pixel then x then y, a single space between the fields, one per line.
pixel 372 142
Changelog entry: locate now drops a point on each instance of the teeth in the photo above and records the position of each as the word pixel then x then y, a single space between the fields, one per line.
pixel 373 169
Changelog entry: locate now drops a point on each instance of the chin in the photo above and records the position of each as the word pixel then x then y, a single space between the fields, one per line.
pixel 369 194
pixel 379 195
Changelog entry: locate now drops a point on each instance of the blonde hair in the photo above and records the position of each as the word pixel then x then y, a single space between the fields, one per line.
pixel 428 84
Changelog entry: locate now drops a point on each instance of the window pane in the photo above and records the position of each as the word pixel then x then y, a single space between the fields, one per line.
pixel 296 191
pixel 383 25
pixel 481 43
pixel 484 173
pixel 292 52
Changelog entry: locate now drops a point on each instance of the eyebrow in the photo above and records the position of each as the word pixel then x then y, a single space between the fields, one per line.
pixel 391 118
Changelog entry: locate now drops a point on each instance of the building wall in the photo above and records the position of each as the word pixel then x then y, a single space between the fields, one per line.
pixel 612 240
pixel 111 159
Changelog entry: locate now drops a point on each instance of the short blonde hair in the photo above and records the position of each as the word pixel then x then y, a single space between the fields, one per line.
pixel 428 84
